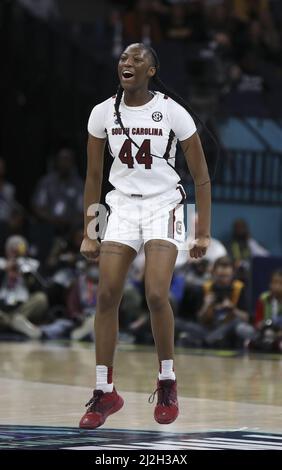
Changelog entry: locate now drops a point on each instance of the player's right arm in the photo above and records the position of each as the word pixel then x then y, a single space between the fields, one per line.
pixel 92 192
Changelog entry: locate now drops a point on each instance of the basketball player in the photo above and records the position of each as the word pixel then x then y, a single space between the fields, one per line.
pixel 142 128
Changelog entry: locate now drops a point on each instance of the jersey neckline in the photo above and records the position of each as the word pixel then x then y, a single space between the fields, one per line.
pixel 148 105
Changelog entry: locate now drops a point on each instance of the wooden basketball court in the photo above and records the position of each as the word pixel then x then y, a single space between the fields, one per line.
pixel 226 400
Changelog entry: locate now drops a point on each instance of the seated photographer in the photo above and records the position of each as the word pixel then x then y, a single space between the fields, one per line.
pixel 81 302
pixel 224 312
pixel 23 303
pixel 268 316
pixel 223 317
pixel 63 266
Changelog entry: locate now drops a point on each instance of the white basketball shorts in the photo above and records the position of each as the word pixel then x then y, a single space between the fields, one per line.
pixel 133 219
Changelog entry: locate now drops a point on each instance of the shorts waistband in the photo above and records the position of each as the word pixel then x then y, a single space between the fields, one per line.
pixel 179 188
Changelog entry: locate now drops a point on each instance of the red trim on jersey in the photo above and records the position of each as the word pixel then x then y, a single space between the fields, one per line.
pixel 169 144
pixel 183 194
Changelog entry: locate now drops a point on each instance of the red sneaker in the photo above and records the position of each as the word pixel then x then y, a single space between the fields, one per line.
pixel 166 410
pixel 100 406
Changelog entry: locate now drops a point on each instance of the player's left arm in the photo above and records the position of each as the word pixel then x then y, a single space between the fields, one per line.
pixel 197 165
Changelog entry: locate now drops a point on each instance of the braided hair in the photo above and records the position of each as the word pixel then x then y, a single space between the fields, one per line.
pixel 168 92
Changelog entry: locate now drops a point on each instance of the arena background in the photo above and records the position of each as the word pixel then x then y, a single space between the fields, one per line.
pixel 58 59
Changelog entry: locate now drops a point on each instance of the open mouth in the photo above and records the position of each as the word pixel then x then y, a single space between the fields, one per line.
pixel 126 74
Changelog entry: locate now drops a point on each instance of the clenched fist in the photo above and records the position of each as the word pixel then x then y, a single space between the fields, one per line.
pixel 90 249
pixel 199 246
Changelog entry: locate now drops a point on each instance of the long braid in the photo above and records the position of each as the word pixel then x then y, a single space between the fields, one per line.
pixel 117 105
pixel 172 94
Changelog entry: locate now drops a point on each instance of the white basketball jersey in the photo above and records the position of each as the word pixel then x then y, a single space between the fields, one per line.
pixel 155 127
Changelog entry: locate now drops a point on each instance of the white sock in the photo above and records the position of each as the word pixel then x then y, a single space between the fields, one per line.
pixel 166 370
pixel 103 377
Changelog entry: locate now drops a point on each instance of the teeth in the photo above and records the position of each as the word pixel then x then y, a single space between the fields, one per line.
pixel 127 74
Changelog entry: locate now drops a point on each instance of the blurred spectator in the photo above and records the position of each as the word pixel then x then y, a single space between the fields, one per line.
pixel 177 27
pixel 215 250
pixel 223 318
pixel 250 83
pixel 134 314
pixel 242 246
pixel 141 23
pixel 58 199
pixel 81 302
pixel 7 194
pixel 63 265
pixel 23 303
pixel 249 76
pixel 196 272
pixel 245 10
pixel 268 317
pixel 264 43
pixel 65 251
pixel 218 16
pixel 74 319
pixel 269 304
pixel 16 224
pixel 196 275
pixel 44 9
pixel 79 286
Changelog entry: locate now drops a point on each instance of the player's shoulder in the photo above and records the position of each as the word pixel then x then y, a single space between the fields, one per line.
pixel 161 96
pixel 104 105
pixel 177 112
pixel 170 104
pixel 173 105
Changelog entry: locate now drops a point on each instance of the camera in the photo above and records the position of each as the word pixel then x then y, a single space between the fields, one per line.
pixel 221 293
pixel 27 265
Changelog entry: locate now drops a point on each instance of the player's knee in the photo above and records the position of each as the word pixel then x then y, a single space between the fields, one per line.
pixel 156 299
pixel 39 300
pixel 107 299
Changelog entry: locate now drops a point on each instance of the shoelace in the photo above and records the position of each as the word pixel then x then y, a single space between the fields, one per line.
pixel 97 395
pixel 164 395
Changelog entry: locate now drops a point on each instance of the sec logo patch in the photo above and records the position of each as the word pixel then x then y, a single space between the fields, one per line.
pixel 179 227
pixel 157 116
